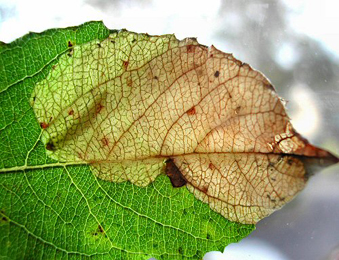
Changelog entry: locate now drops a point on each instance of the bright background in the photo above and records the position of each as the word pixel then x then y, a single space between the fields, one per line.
pixel 294 43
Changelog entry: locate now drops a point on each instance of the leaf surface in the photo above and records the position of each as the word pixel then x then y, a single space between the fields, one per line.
pixel 86 102
pixel 53 209
pixel 130 102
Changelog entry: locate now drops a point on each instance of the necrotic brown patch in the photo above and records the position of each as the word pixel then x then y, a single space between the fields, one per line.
pixel 175 175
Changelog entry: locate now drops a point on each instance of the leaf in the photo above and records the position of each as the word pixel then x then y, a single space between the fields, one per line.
pixel 51 209
pixel 129 106
pixel 128 103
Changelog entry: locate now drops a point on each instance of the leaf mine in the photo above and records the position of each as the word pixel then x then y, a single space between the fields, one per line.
pixel 134 106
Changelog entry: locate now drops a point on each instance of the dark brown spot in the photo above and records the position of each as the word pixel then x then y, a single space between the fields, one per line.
pixel 156 77
pixel 191 111
pixel 71 112
pixel 273 179
pixel 269 197
pixel 99 45
pixel 237 110
pixel 190 48
pixel 211 55
pixel 208 236
pixel 180 250
pixel 175 175
pixel 34 98
pixel 100 229
pixel 4 219
pixel 99 107
pixel 50 146
pixel 112 41
pixel 290 161
pixel 216 74
pixel 44 125
pixel 204 189
pixel 269 86
pixel 134 40
pixel 125 64
pixel 104 141
pixel 70 44
pixel 211 166
pixel 54 67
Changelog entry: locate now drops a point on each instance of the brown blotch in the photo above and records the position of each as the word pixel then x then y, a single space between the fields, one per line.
pixel 191 111
pixel 99 107
pixel 104 141
pixel 216 74
pixel 71 112
pixel 50 146
pixel 156 77
pixel 99 45
pixel 54 67
pixel 211 166
pixel 44 125
pixel 70 44
pixel 175 175
pixel 125 64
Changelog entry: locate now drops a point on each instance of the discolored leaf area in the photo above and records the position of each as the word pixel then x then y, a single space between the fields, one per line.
pixel 117 145
pixel 128 103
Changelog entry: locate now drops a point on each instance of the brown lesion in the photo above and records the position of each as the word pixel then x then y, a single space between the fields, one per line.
pixel 174 173
pixel 191 111
pixel 98 108
pixel 44 125
pixel 104 141
pixel 50 146
pixel 190 48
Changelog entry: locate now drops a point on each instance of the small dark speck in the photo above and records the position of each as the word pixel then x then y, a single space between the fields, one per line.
pixel 50 146
pixel 216 74
pixel 156 77
pixel 4 219
pixel 70 44
pixel 99 45
pixel 134 40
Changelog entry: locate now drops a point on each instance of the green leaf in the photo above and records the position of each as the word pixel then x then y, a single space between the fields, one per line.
pixel 51 209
